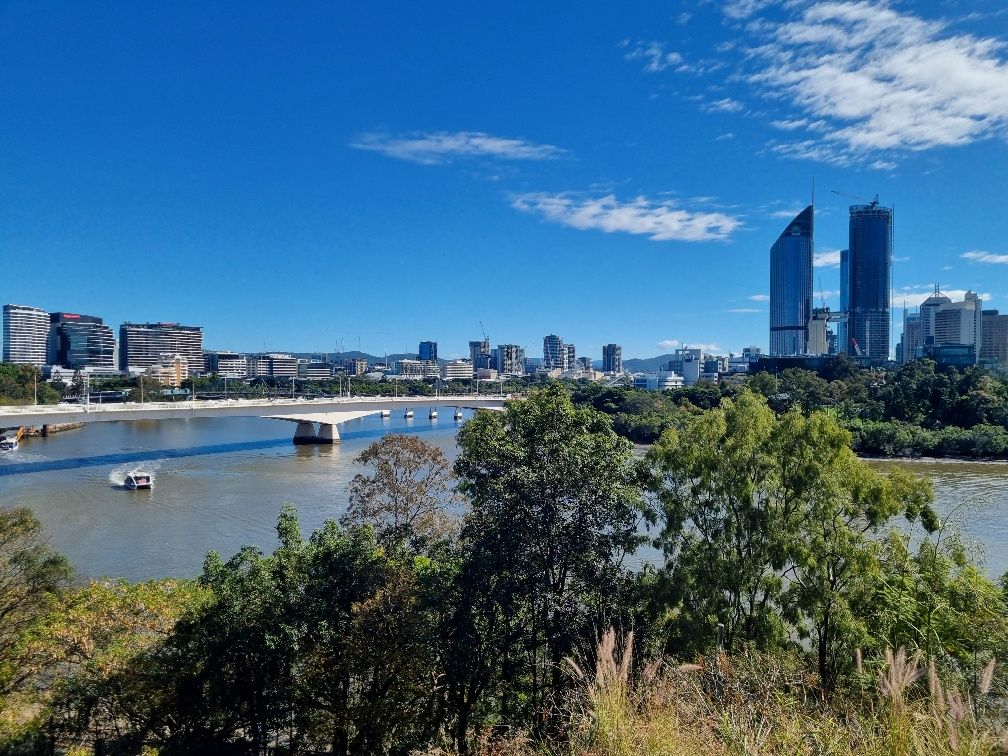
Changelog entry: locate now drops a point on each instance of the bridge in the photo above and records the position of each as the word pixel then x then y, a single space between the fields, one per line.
pixel 307 413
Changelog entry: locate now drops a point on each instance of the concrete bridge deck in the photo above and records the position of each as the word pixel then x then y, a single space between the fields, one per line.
pixel 327 413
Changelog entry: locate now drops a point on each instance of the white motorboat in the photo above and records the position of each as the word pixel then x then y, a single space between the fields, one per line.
pixel 8 444
pixel 432 415
pixel 458 414
pixel 386 413
pixel 408 414
pixel 138 480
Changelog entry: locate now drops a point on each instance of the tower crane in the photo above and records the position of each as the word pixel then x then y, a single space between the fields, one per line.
pixel 485 337
pixel 873 201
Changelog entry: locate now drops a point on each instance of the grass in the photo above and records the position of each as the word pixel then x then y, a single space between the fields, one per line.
pixel 754 705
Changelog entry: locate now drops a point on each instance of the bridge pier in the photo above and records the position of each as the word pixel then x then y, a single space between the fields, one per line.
pixel 305 433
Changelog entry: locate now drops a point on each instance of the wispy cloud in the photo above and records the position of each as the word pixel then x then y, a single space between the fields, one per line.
pixel 827 259
pixel 668 344
pixel 760 297
pixel 654 55
pixel 825 294
pixel 877 80
pixel 660 220
pixel 985 257
pixel 724 105
pixel 744 310
pixel 912 296
pixel 740 9
pixel 431 148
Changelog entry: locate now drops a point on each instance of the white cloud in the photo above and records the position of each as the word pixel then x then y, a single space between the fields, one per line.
pixel 655 57
pixel 912 296
pixel 825 294
pixel 880 80
pixel 985 257
pixel 660 220
pixel 791 124
pixel 789 214
pixel 760 297
pixel 724 105
pixel 827 259
pixel 431 148
pixel 668 344
pixel 740 9
pixel 744 310
pixel 726 135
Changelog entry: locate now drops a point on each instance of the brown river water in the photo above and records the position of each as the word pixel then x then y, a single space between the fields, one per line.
pixel 220 483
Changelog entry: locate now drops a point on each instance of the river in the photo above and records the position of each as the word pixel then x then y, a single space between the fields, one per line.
pixel 220 483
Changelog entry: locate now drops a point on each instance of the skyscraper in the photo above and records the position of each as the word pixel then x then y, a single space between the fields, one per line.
pixel 80 341
pixel 510 359
pixel 843 338
pixel 871 248
pixel 142 344
pixel 428 351
pixel 612 358
pixel 791 286
pixel 25 334
pixel 554 353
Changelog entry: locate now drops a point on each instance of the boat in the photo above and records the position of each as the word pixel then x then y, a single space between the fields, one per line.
pixel 432 415
pixel 8 444
pixel 386 413
pixel 408 414
pixel 458 414
pixel 138 480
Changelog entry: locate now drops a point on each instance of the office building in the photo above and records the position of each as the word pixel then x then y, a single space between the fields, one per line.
pixel 314 370
pixel 554 353
pixel 355 366
pixel 584 364
pixel 871 251
pixel 428 351
pixel 928 310
pixel 510 359
pixel 226 364
pixel 663 380
pixel 612 358
pixel 418 369
pixel 818 334
pixel 994 338
pixel 457 370
pixel 571 357
pixel 842 337
pixel 25 334
pixel 479 354
pixel 961 323
pixel 791 286
pixel 79 342
pixel 273 365
pixel 142 344
pixel 911 339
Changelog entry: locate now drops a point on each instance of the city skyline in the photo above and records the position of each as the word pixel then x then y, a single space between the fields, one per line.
pixel 646 164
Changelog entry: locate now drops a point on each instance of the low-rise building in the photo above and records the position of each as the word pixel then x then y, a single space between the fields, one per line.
pixel 226 364
pixel 418 369
pixel 171 369
pixel 662 380
pixel 457 370
pixel 355 366
pixel 314 370
pixel 273 365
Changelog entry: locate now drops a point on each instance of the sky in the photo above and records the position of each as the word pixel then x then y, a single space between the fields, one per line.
pixel 327 176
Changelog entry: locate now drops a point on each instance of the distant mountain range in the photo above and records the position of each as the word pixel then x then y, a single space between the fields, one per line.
pixel 648 365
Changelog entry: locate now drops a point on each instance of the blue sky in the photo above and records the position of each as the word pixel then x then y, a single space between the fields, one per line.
pixel 293 176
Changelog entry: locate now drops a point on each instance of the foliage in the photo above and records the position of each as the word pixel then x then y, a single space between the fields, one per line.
pixel 407 496
pixel 18 384
pixel 555 507
pixel 768 526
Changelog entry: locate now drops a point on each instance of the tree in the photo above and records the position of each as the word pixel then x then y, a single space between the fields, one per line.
pixel 407 496
pixel 31 578
pixel 770 526
pixel 556 505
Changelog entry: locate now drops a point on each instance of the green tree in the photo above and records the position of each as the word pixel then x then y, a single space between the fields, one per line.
pixel 407 495
pixel 556 506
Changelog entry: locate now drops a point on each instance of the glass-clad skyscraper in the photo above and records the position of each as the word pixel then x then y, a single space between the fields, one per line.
pixel 843 337
pixel 79 341
pixel 791 286
pixel 871 246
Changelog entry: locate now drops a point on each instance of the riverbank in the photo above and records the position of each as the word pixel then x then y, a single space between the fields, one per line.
pixel 41 431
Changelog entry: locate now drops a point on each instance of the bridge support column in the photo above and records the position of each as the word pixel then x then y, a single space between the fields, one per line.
pixel 327 434
pixel 305 433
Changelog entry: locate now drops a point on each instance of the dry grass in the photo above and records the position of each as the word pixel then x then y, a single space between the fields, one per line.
pixel 757 706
